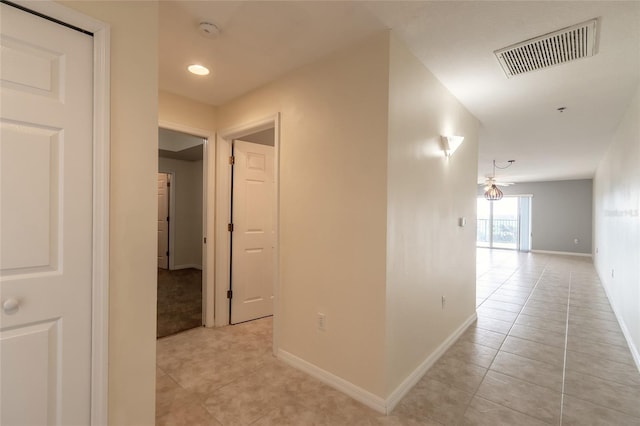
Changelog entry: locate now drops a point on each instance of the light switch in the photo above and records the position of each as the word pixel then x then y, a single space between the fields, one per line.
pixel 462 221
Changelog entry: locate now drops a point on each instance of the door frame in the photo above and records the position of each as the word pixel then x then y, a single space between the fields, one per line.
pixel 208 228
pixel 491 219
pixel 223 214
pixel 519 197
pixel 100 205
pixel 235 264
pixel 171 211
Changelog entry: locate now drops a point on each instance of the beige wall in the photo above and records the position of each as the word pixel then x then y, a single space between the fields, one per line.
pixel 332 207
pixel 187 220
pixel 333 188
pixel 186 112
pixel 134 144
pixel 428 254
pixel 616 213
pixel 369 210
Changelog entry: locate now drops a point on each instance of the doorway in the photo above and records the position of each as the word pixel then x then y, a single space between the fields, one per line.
pixel 504 224
pixel 164 185
pixel 180 231
pixel 224 174
pixel 252 227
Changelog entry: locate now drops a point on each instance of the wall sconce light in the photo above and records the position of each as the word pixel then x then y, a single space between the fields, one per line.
pixel 450 144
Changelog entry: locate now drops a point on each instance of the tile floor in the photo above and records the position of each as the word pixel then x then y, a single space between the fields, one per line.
pixel 546 349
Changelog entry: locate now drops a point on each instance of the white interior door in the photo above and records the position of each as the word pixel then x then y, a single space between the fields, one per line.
pixel 163 220
pixel 253 237
pixel 46 86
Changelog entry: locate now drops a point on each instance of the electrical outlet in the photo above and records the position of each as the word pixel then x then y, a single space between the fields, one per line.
pixel 444 301
pixel 322 322
pixel 576 241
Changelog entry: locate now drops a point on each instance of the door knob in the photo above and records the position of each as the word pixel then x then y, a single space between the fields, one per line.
pixel 10 306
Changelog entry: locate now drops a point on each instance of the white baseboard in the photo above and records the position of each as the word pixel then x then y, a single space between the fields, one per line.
pixel 186 266
pixel 367 398
pixel 425 365
pixel 563 253
pixel 623 326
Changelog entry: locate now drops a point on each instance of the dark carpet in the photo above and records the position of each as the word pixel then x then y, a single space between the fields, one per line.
pixel 179 300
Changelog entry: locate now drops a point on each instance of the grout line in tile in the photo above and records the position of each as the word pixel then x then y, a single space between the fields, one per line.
pixel 497 288
pixel 585 373
pixel 606 407
pixel 523 306
pixel 566 343
pixel 502 344
pixel 523 380
pixel 512 409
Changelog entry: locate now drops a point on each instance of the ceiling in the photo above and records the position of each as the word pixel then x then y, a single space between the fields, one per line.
pixel 261 41
pixel 179 146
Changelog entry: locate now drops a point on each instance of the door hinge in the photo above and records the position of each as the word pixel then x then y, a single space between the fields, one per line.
pixel 230 227
pixel 168 218
pixel 229 294
pixel 168 183
pixel 232 160
pixel 205 240
pixel 167 253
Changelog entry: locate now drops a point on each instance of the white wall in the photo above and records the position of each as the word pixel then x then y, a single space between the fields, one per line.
pixel 428 254
pixel 332 207
pixel 616 210
pixel 133 229
pixel 187 219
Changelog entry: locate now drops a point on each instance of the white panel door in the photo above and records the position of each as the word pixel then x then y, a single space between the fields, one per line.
pixel 163 220
pixel 253 237
pixel 45 221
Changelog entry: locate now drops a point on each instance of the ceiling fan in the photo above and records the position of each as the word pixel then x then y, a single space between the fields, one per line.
pixel 491 190
pixel 491 180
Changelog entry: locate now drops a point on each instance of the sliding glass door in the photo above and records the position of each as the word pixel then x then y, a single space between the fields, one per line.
pixel 499 224
pixel 484 223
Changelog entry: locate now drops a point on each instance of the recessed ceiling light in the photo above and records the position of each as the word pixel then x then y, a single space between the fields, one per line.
pixel 198 69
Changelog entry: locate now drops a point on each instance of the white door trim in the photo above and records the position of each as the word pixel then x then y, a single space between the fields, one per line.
pixel 208 228
pixel 171 212
pixel 223 216
pixel 101 164
pixel 167 188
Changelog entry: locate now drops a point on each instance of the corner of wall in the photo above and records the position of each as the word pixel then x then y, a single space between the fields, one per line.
pixel 428 255
pixel 332 207
pixel 133 151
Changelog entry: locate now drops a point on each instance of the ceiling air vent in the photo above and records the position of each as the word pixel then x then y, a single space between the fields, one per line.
pixel 558 47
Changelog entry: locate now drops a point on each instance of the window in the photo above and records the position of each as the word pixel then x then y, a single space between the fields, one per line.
pixel 505 223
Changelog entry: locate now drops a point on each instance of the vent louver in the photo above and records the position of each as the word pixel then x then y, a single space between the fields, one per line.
pixel 558 47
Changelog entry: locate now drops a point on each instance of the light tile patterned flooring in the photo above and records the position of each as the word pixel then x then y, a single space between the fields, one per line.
pixel 546 349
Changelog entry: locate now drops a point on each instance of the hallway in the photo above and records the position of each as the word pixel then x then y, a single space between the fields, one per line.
pixel 546 349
